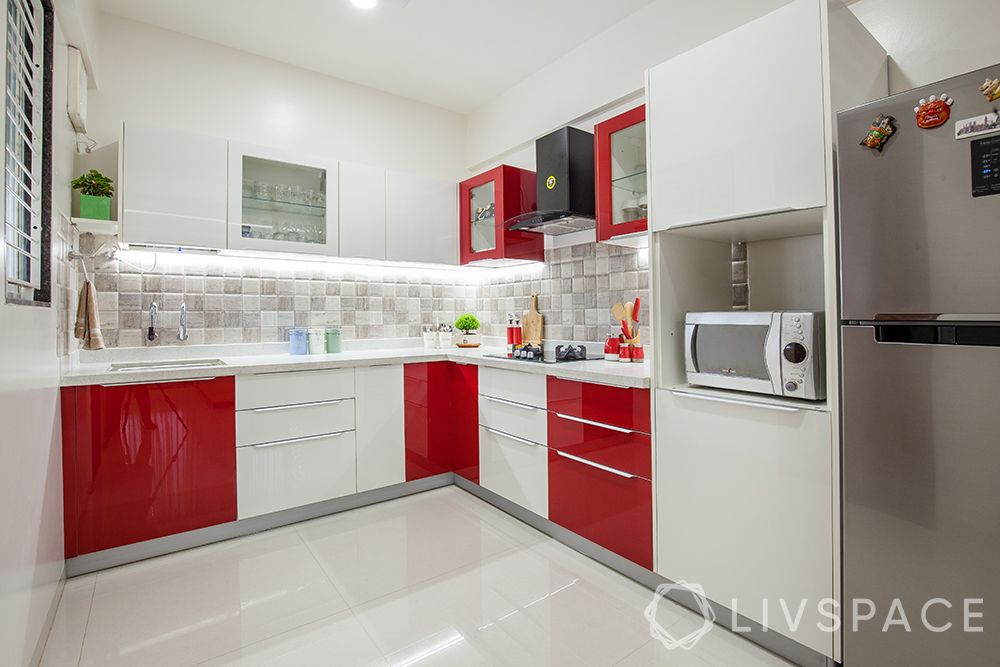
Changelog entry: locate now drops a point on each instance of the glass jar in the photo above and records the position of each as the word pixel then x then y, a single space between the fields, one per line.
pixel 298 341
pixel 317 341
pixel 333 340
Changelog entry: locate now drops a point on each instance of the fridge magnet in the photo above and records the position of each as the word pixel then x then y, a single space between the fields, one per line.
pixel 973 127
pixel 879 132
pixel 991 89
pixel 933 111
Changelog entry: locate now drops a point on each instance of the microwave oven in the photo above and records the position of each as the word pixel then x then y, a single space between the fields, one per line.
pixel 779 352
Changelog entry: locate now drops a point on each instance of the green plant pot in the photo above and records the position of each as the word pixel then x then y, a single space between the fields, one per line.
pixel 95 208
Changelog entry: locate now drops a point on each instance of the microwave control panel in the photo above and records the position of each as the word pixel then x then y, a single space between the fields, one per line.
pixel 802 372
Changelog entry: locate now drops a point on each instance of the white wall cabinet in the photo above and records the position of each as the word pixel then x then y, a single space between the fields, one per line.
pixel 362 211
pixel 741 125
pixel 422 219
pixel 515 468
pixel 172 187
pixel 282 201
pixel 745 501
pixel 381 441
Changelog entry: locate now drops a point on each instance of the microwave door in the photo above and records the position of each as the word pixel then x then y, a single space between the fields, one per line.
pixel 734 354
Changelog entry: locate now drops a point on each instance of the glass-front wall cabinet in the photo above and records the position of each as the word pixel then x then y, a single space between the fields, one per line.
pixel 621 175
pixel 486 201
pixel 281 202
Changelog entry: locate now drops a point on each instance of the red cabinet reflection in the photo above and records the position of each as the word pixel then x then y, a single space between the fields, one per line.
pixel 147 460
pixel 441 419
pixel 618 406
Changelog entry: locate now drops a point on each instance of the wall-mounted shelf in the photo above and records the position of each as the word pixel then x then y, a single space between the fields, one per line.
pixel 102 227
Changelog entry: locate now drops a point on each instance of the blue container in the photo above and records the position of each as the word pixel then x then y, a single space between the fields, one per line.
pixel 298 340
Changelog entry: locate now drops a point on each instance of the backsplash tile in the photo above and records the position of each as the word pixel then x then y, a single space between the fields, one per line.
pixel 236 300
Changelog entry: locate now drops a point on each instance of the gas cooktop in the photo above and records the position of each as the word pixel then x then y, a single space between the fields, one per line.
pixel 535 354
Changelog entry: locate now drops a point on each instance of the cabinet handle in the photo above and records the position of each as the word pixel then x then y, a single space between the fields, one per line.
pixel 613 471
pixel 278 443
pixel 512 437
pixel 734 401
pixel 506 402
pixel 125 384
pixel 593 423
pixel 299 405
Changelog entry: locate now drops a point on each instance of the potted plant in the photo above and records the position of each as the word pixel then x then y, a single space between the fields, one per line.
pixel 95 195
pixel 468 325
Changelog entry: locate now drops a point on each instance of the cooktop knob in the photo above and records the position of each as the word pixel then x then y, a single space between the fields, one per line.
pixel 795 353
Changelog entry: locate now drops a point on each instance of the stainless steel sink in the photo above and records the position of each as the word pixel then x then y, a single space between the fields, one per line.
pixel 165 365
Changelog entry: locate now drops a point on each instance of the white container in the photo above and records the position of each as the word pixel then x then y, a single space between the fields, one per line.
pixel 445 339
pixel 430 340
pixel 317 341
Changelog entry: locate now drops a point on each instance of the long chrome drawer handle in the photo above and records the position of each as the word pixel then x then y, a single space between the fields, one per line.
pixel 278 443
pixel 593 423
pixel 125 384
pixel 512 437
pixel 613 471
pixel 734 401
pixel 506 402
pixel 299 405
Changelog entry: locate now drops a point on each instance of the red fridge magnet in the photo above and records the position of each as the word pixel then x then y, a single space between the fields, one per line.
pixel 991 89
pixel 933 112
pixel 879 132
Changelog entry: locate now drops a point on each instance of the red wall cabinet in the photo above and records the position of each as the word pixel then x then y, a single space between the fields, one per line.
pixel 142 461
pixel 600 465
pixel 620 174
pixel 441 419
pixel 485 202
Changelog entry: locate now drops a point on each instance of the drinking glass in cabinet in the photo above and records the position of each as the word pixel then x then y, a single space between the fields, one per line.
pixel 482 203
pixel 628 174
pixel 287 201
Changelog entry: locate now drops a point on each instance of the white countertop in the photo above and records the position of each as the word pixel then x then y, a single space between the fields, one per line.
pixel 259 359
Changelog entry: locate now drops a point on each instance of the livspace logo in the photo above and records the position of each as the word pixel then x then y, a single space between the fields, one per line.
pixel 936 615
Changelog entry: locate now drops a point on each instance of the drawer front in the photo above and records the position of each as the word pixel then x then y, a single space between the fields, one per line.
pixel 279 476
pixel 517 386
pixel 607 508
pixel 514 469
pixel 272 389
pixel 613 446
pixel 524 421
pixel 284 422
pixel 619 406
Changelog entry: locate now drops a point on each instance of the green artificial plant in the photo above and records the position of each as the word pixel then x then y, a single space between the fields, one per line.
pixel 466 323
pixel 94 184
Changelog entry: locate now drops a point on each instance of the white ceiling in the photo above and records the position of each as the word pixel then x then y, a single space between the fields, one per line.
pixel 456 54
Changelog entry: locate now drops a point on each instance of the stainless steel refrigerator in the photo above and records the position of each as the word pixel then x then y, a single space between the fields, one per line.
pixel 920 362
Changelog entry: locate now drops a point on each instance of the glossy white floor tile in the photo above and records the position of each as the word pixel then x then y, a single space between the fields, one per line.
pixel 439 578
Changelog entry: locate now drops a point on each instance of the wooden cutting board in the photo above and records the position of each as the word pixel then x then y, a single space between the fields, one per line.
pixel 531 323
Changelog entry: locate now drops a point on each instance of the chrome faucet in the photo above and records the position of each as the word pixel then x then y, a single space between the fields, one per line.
pixel 182 329
pixel 151 332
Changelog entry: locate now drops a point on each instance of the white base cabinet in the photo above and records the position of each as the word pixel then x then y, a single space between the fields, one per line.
pixel 172 187
pixel 380 426
pixel 285 474
pixel 744 507
pixel 515 468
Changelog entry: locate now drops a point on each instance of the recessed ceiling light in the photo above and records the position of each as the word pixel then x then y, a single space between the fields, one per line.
pixel 365 4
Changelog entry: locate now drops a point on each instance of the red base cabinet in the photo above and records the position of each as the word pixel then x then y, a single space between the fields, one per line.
pixel 441 419
pixel 142 461
pixel 605 507
pixel 600 465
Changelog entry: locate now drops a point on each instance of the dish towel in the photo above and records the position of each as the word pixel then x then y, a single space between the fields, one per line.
pixel 88 322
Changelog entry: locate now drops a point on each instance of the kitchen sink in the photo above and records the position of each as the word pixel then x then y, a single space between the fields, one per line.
pixel 165 365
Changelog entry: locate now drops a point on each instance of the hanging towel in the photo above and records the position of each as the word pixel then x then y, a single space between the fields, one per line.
pixel 88 323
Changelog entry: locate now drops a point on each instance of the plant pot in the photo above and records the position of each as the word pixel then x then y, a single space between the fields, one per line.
pixel 95 208
pixel 470 339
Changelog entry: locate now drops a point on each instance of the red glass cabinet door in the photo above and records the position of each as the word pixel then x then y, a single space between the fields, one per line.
pixel 620 153
pixel 441 419
pixel 485 202
pixel 623 407
pixel 607 508
pixel 150 460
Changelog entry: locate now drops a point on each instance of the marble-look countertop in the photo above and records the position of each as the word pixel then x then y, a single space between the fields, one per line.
pixel 88 370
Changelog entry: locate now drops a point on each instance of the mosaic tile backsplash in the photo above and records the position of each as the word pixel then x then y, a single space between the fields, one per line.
pixel 240 300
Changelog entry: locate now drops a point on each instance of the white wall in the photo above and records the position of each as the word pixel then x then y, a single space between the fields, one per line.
pixel 31 549
pixel 170 79
pixel 601 72
pixel 928 40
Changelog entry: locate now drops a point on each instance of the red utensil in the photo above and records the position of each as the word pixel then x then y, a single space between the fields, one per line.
pixel 635 310
pixel 625 330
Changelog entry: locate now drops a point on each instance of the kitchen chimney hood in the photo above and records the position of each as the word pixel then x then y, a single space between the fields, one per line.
pixel 564 165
